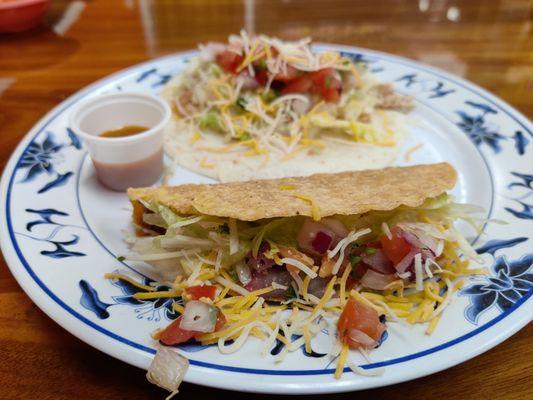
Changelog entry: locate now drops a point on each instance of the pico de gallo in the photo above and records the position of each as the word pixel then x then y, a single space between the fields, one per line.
pixel 286 280
pixel 275 95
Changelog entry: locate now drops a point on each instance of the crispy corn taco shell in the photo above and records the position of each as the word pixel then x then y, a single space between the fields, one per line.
pixel 345 193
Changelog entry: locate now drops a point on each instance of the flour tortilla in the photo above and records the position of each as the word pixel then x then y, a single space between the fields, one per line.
pixel 340 154
pixel 345 193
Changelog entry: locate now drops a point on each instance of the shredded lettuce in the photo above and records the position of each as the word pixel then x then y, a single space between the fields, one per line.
pixel 280 230
pixel 201 235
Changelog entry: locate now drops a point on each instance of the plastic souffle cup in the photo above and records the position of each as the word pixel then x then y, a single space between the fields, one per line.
pixel 126 161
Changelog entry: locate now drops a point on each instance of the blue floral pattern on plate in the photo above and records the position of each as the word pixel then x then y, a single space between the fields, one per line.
pixel 511 281
pixel 433 88
pixel 525 181
pixel 151 309
pixel 39 158
pixel 45 217
pixel 501 135
pixel 478 129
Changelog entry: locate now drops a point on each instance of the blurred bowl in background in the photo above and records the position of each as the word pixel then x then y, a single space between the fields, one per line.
pixel 21 15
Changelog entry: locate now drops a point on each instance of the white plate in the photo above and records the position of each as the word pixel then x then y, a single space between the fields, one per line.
pixel 61 232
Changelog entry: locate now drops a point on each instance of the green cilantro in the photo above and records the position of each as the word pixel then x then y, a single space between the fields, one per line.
pixel 370 250
pixel 215 70
pixel 210 121
pixel 261 65
pixel 270 95
pixel 354 260
pixel 233 275
pixel 291 294
pixel 241 103
pixel 327 82
pixel 121 258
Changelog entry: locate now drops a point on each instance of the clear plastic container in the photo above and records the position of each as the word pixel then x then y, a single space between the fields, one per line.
pixel 128 161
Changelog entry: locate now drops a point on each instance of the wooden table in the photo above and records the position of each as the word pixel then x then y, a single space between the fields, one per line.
pixel 486 41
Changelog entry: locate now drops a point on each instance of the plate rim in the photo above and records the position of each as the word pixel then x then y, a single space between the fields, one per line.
pixel 8 247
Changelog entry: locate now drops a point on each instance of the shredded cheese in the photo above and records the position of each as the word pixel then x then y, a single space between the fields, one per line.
pixel 341 362
pixel 300 265
pixel 386 230
pixel 287 187
pixel 315 210
pixel 342 245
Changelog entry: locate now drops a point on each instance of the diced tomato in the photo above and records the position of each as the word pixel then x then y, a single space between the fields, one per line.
pixel 197 292
pixel 261 77
pixel 358 317
pixel 299 85
pixel 318 77
pixel 289 75
pixel 396 248
pixel 173 334
pixel 376 244
pixel 229 61
pixel 221 321
pixel 327 84
pixel 351 283
pixel 331 95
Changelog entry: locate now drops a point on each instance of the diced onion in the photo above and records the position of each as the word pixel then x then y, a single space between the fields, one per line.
pixel 374 280
pixel 321 242
pixel 167 369
pixel 199 317
pixel 379 262
pixel 418 272
pixel 336 226
pixel 308 234
pixel 243 273
pixel 360 337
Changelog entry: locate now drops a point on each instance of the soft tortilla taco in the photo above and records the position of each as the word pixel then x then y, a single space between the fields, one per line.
pixel 347 252
pixel 260 108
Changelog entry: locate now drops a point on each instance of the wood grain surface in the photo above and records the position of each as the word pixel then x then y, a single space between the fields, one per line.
pixel 488 42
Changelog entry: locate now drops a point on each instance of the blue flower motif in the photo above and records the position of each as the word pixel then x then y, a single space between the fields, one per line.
pixel 510 282
pixel 435 89
pixel 91 301
pixel 74 140
pixel 160 78
pixel 527 181
pixel 45 218
pixel 520 142
pixel 492 246
pixel 61 251
pixel 150 308
pixel 479 132
pixel 525 213
pixel 38 157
